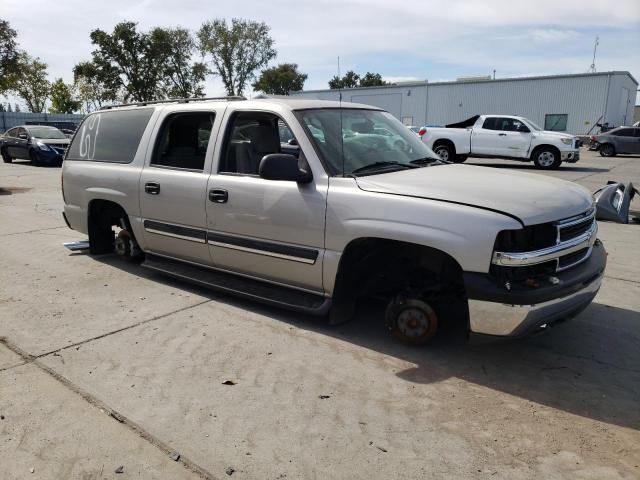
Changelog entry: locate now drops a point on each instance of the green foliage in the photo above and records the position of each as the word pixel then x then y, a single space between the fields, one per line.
pixel 31 82
pixel 62 98
pixel 371 80
pixel 280 80
pixel 9 55
pixel 181 78
pixel 353 80
pixel 236 51
pixel 139 66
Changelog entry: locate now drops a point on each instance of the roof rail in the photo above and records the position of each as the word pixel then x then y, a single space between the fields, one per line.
pixel 174 100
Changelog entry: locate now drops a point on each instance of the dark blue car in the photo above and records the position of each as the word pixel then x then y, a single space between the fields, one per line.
pixel 38 143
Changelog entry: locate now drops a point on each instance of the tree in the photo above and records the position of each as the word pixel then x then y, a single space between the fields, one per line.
pixel 236 51
pixel 128 61
pixel 182 79
pixel 31 82
pixel 280 80
pixel 353 80
pixel 349 80
pixel 9 55
pixel 62 98
pixel 92 92
pixel 371 80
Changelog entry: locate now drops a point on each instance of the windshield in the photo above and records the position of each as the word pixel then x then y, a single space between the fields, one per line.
pixel 533 125
pixel 369 140
pixel 46 132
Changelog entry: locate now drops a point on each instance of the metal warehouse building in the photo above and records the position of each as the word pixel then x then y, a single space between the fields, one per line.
pixel 571 103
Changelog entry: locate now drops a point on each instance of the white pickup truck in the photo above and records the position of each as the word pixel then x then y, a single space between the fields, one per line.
pixel 502 136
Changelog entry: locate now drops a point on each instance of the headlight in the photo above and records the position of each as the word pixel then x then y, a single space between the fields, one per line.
pixel 42 146
pixel 567 141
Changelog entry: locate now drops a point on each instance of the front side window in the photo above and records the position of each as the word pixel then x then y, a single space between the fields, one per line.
pixel 556 122
pixel 354 141
pixel 252 135
pixel 183 141
pixel 623 132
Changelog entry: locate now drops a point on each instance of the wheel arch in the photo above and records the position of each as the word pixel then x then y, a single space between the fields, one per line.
pixel 537 148
pixel 349 272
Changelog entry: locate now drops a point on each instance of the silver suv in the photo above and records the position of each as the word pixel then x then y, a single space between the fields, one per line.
pixel 303 204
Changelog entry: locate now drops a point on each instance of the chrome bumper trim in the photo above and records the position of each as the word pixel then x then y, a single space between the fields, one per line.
pixel 520 259
pixel 499 319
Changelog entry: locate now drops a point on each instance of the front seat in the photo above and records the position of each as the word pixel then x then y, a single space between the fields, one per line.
pixel 264 141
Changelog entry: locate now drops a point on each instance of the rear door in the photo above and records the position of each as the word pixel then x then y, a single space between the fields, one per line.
pixel 485 138
pixel 20 144
pixel 173 183
pixel 626 140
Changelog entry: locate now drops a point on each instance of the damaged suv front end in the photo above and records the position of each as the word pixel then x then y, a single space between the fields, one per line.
pixel 539 274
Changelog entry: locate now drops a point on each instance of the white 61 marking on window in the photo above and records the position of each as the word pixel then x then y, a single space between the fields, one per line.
pixel 89 136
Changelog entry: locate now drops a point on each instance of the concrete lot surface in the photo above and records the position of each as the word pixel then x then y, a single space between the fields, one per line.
pixel 106 365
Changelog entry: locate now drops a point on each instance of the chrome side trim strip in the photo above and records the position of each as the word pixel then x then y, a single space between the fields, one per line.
pixel 520 259
pixel 175 235
pixel 262 252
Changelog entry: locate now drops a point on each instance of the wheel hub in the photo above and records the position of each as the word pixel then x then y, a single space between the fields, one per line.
pixel 546 158
pixel 443 153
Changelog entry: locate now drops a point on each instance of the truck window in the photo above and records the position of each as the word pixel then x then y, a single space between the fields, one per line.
pixel 183 141
pixel 250 136
pixel 556 122
pixel 110 136
pixel 490 123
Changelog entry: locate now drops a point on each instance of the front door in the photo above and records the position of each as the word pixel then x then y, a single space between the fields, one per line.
pixel 173 184
pixel 272 230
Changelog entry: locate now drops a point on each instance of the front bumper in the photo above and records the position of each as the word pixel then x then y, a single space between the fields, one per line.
pixel 571 156
pixel 519 312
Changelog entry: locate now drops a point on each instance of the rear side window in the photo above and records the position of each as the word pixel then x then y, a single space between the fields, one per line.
pixel 623 132
pixel 490 123
pixel 183 141
pixel 110 136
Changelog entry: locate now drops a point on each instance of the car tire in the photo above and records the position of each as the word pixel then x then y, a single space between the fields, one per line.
pixel 546 158
pixel 5 156
pixel 445 152
pixel 461 158
pixel 607 150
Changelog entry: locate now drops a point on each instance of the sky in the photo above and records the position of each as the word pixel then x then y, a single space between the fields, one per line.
pixel 402 40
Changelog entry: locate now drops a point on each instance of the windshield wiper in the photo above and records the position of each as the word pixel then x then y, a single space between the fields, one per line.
pixel 379 165
pixel 427 161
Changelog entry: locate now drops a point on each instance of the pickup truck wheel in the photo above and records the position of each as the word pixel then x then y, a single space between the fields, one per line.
pixel 461 158
pixel 5 156
pixel 607 150
pixel 445 152
pixel 546 159
pixel 411 320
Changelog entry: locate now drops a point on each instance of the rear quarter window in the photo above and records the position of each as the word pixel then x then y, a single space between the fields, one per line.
pixel 110 136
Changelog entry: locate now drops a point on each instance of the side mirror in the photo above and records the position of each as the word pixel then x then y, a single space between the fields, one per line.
pixel 281 166
pixel 22 136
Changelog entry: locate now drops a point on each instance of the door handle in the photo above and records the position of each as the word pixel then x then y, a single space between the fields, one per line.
pixel 152 188
pixel 502 134
pixel 218 195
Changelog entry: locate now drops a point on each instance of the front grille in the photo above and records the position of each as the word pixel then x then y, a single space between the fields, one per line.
pixel 59 149
pixel 567 261
pixel 574 227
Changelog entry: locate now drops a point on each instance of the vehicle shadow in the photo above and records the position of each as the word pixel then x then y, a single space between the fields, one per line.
pixel 589 366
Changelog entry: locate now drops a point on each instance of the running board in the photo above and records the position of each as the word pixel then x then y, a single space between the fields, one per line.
pixel 249 288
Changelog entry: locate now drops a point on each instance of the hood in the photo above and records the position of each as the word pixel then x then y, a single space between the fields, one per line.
pixel 53 141
pixel 531 198
pixel 553 134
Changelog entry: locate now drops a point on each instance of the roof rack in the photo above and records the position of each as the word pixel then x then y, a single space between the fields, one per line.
pixel 174 100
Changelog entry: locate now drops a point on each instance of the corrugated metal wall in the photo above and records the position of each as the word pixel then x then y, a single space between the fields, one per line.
pixel 12 119
pixel 583 98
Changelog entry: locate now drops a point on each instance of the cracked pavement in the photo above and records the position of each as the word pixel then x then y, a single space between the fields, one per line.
pixel 104 364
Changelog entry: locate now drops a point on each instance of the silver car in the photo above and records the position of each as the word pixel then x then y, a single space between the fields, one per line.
pixel 619 140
